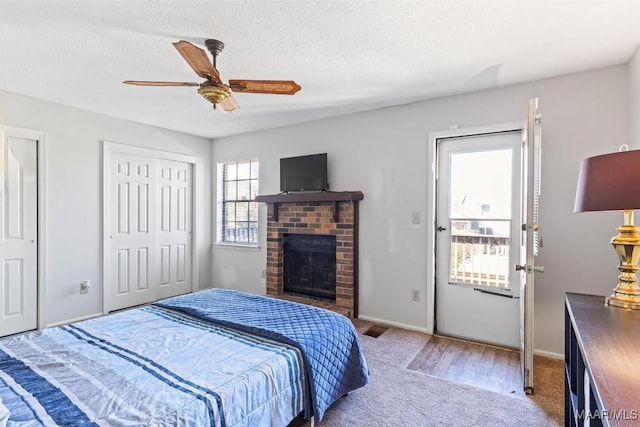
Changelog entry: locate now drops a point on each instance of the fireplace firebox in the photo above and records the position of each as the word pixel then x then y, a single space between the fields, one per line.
pixel 310 265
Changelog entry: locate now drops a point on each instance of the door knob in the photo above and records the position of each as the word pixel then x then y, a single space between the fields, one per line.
pixel 520 267
pixel 441 228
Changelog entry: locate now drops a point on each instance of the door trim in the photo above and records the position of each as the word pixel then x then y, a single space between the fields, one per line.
pixel 434 137
pixel 115 147
pixel 41 214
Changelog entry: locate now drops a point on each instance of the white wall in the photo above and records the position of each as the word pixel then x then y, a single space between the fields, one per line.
pixel 384 154
pixel 74 194
pixel 634 93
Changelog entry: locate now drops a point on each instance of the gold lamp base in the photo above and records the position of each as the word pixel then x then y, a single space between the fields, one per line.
pixel 627 247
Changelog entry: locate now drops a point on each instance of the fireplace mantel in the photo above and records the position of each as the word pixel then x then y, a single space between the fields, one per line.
pixel 324 196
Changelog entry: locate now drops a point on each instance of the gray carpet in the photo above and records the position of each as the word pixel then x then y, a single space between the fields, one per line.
pixel 397 396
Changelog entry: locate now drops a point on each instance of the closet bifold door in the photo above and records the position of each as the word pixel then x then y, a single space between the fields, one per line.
pixel 175 228
pixel 132 237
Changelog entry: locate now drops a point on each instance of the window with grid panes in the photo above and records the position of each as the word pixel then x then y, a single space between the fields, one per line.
pixel 239 214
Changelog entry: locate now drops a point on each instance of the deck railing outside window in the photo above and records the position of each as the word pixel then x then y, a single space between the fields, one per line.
pixel 241 235
pixel 480 253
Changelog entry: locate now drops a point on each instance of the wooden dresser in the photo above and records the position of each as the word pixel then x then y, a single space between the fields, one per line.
pixel 602 361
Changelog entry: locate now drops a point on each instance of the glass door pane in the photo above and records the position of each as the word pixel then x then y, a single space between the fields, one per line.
pixel 480 217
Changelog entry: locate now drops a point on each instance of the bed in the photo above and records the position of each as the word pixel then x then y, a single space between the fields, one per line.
pixel 212 358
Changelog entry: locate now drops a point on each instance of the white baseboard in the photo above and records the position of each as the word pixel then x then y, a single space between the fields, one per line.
pixel 77 319
pixel 545 353
pixel 390 323
pixel 549 354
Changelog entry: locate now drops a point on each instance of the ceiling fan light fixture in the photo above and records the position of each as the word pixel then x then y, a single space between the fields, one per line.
pixel 213 89
pixel 214 93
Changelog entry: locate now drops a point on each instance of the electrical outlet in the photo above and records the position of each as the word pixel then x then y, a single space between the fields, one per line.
pixel 263 279
pixel 84 287
pixel 415 294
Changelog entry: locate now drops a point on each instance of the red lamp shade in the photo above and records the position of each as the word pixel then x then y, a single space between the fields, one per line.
pixel 610 182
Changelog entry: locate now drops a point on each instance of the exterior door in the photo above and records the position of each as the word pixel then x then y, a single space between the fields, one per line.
pixel 174 237
pixel 18 222
pixel 478 237
pixel 132 231
pixel 530 239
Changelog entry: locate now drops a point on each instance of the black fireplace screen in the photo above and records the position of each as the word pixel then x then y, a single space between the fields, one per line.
pixel 310 265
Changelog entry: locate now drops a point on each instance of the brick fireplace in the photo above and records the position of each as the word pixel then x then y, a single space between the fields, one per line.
pixel 316 214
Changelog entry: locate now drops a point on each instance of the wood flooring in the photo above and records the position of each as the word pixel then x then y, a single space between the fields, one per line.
pixel 492 368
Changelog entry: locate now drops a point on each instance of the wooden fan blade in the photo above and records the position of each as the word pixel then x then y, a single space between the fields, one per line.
pixel 276 87
pixel 229 104
pixel 147 83
pixel 198 60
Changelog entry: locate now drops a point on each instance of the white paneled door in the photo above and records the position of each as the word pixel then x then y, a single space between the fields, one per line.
pixel 174 236
pixel 18 224
pixel 133 234
pixel 149 252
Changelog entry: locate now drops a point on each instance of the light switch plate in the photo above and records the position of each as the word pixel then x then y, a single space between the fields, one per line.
pixel 416 217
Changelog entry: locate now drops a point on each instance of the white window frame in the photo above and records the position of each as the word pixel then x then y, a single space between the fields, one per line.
pixel 220 205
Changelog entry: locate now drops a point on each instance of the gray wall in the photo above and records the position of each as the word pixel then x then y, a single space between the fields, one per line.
pixel 74 194
pixel 634 93
pixel 384 154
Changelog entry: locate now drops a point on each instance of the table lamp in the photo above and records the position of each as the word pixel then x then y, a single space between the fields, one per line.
pixel 611 182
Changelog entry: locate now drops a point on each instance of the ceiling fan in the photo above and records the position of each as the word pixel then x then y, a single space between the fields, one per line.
pixel 213 89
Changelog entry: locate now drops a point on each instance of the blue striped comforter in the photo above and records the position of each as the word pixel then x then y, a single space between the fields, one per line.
pixel 334 362
pixel 149 366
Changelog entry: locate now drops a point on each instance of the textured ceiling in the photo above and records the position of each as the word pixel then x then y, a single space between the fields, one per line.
pixel 348 56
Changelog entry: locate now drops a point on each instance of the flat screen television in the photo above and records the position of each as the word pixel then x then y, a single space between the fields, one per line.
pixel 304 173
